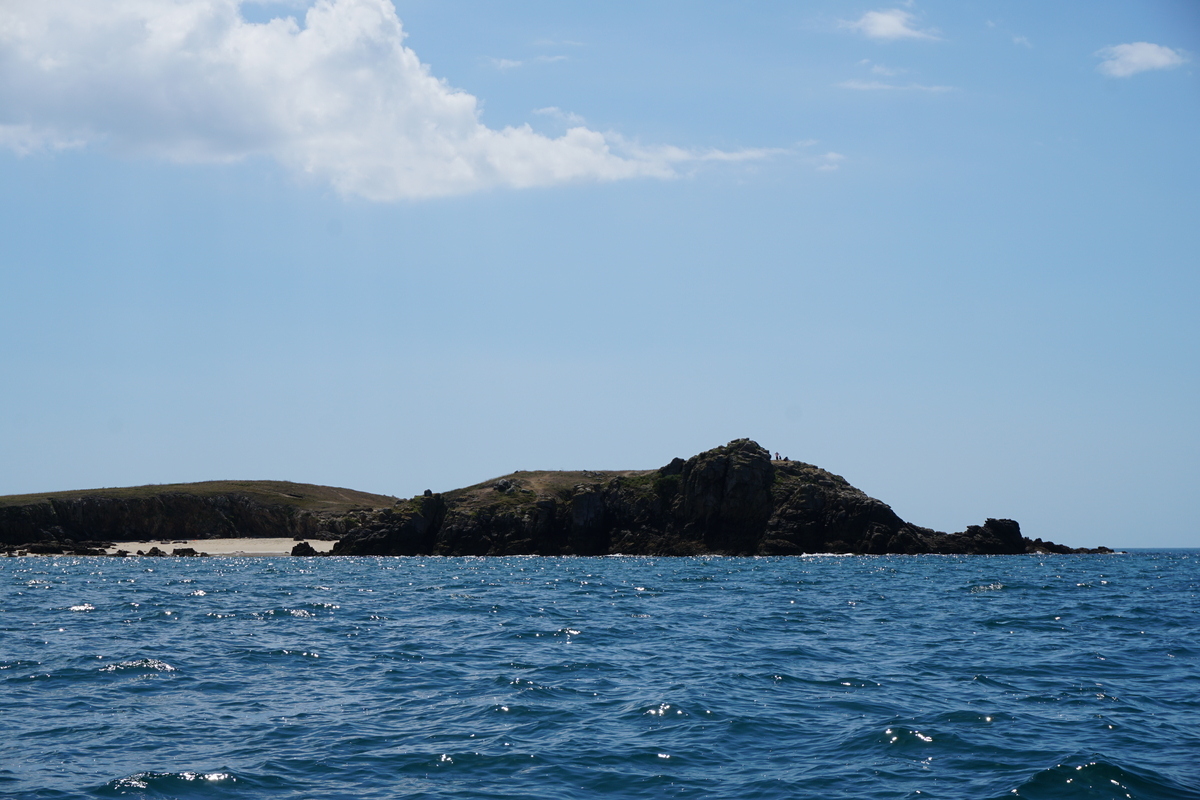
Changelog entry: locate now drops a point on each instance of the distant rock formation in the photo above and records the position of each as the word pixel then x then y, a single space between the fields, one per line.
pixel 731 500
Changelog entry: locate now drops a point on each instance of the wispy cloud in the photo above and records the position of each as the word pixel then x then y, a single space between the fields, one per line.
pixel 880 69
pixel 1123 60
pixel 888 25
pixel 338 98
pixel 830 161
pixel 568 117
pixel 1019 41
pixel 508 63
pixel 875 86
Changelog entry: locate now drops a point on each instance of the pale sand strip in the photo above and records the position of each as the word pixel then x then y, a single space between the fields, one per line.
pixel 225 547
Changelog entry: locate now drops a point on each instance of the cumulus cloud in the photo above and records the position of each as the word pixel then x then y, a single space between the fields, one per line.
pixel 338 97
pixel 892 24
pixel 1123 60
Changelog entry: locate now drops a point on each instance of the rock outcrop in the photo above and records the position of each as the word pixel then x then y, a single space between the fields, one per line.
pixel 304 549
pixel 731 500
pixel 410 531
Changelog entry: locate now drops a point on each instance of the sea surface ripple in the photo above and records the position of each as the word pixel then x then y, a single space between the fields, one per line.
pixel 831 677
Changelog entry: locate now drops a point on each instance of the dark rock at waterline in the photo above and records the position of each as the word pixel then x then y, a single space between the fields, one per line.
pixel 410 530
pixel 304 549
pixel 173 516
pixel 44 549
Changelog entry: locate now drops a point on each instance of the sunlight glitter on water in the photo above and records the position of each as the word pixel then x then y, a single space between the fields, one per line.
pixel 541 681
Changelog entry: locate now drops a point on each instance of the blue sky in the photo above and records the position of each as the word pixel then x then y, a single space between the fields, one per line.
pixel 946 250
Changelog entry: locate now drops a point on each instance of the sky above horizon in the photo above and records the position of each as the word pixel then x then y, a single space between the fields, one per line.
pixel 948 251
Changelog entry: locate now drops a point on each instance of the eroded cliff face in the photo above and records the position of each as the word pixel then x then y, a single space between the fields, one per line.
pixel 726 496
pixel 173 516
pixel 731 500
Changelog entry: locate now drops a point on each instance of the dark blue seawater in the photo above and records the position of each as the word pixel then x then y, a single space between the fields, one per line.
pixel 827 677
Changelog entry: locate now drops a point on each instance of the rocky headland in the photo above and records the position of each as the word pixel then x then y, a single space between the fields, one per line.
pixel 731 500
pixel 86 522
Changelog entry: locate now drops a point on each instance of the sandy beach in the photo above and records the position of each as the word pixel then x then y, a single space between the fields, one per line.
pixel 224 547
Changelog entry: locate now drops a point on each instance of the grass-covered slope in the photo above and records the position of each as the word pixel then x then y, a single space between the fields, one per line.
pixel 303 496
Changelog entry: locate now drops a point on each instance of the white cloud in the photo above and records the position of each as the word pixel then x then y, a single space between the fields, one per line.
pixel 569 117
pixel 25 139
pixel 504 63
pixel 339 98
pixel 891 24
pixel 873 86
pixel 1022 41
pixel 507 63
pixel 1123 60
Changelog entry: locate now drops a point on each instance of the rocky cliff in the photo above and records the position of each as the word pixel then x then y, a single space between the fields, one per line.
pixel 731 500
pixel 213 510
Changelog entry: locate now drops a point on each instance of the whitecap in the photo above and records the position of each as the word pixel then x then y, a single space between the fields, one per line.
pixel 141 663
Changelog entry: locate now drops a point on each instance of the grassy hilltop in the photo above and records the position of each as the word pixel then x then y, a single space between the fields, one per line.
pixel 205 510
pixel 302 496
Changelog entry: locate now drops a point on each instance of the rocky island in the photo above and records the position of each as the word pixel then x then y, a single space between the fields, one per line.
pixel 731 500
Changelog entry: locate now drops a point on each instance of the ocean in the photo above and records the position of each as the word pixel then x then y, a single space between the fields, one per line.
pixel 796 677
